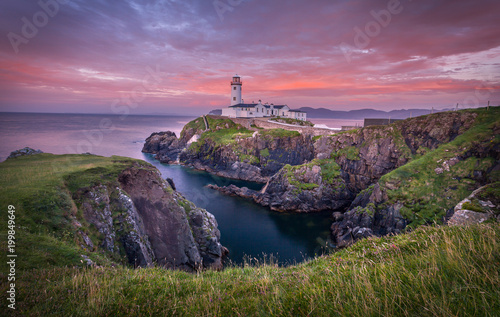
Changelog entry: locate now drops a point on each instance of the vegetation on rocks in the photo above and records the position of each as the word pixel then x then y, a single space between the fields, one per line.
pixel 430 185
pixel 279 133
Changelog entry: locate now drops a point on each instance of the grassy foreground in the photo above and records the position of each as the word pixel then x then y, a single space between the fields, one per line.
pixel 432 271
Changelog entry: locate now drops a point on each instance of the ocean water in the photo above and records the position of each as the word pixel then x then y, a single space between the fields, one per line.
pixel 248 230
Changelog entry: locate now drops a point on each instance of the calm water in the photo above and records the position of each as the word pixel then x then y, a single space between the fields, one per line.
pixel 246 229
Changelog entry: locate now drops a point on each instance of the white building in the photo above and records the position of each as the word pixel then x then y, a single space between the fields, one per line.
pixel 238 109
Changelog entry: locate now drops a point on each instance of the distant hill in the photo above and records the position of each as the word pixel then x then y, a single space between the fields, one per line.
pixel 365 113
pixel 216 112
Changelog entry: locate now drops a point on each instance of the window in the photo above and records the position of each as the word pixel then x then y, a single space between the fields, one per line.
pixel 234 88
pixel 234 98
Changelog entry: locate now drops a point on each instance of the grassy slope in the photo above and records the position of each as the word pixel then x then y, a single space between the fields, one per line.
pixel 427 195
pixel 40 187
pixel 444 271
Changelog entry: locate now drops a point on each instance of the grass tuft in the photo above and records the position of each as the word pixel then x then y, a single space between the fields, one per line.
pixel 450 271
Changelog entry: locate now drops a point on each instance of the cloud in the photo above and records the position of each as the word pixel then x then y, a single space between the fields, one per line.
pixel 92 52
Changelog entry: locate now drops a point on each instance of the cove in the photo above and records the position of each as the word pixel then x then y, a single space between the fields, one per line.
pixel 248 230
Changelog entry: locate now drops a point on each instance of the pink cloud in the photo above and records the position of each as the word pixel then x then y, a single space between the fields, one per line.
pixel 287 52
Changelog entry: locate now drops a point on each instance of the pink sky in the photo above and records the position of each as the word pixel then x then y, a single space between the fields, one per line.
pixel 178 56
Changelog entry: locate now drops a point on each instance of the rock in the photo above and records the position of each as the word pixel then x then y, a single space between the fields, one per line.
pixel 181 235
pixel 171 183
pixel 97 211
pixel 86 240
pixel 282 195
pixel 23 152
pixel 467 217
pixel 207 237
pixel 463 216
pixel 165 145
pixel 362 222
pixel 87 260
pixel 254 158
pixel 134 238
pixel 150 222
pixel 338 216
pixel 233 190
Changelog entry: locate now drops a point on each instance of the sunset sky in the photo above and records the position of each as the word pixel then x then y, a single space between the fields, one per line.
pixel 173 56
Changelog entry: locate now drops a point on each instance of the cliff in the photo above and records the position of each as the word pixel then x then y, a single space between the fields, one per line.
pixel 426 190
pixel 228 149
pixel 346 163
pixel 362 175
pixel 110 211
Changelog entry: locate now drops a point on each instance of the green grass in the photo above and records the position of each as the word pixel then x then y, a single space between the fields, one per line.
pixel 196 124
pixel 349 152
pixel 264 152
pixel 248 158
pixel 330 172
pixel 471 206
pixel 432 271
pixel 279 133
pixel 222 132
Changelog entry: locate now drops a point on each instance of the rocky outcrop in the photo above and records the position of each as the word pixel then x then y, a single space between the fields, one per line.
pixel 423 193
pixel 182 236
pixel 253 158
pixel 357 159
pixel 474 210
pixel 303 189
pixel 134 237
pixel 97 211
pixel 165 145
pixel 427 132
pixel 146 219
pixel 364 219
pixel 23 152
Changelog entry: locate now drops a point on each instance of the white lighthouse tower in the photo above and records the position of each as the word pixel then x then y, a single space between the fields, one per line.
pixel 236 90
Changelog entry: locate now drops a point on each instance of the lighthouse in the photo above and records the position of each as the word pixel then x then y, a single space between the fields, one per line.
pixel 236 90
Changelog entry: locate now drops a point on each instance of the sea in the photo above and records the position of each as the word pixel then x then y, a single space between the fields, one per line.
pixel 249 231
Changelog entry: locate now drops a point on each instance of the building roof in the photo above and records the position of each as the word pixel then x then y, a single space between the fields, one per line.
pixel 296 111
pixel 244 105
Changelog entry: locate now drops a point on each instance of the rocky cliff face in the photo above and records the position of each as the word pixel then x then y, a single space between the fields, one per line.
pixel 165 145
pixel 147 220
pixel 346 163
pixel 253 158
pixel 230 150
pixel 426 190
